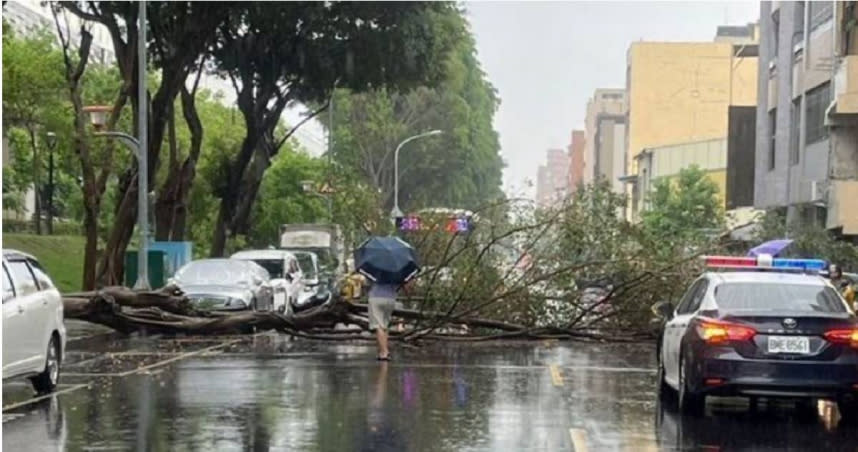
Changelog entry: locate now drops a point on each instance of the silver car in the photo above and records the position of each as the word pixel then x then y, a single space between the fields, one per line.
pixel 226 285
pixel 34 337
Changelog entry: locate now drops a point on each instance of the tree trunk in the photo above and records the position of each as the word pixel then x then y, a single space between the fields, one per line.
pixel 112 264
pixel 90 254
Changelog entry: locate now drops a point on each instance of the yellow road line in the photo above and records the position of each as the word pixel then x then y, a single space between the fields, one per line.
pixel 556 376
pixel 43 397
pixel 579 439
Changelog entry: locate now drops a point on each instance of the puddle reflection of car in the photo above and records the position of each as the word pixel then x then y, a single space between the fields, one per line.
pixel 226 285
pixel 733 425
pixel 34 336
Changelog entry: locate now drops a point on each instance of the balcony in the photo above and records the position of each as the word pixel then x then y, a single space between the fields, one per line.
pixel 841 207
pixel 846 80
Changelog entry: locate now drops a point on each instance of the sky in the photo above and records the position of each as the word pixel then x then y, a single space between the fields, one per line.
pixel 547 58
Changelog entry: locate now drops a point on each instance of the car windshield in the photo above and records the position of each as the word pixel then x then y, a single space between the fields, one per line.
pixel 273 266
pixel 305 261
pixel 214 273
pixel 777 296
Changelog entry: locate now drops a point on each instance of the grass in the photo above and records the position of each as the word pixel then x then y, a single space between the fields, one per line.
pixel 61 255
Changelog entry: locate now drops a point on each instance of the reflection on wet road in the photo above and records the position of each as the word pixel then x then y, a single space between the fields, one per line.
pixel 269 393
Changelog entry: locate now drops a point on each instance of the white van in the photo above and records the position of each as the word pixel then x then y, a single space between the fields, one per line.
pixel 34 337
pixel 287 279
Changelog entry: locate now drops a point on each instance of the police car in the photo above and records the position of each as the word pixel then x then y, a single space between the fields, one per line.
pixel 759 327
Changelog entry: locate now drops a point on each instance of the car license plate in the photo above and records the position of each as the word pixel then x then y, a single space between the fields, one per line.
pixel 789 344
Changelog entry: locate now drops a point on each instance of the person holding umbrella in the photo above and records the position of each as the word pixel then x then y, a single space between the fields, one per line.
pixel 389 263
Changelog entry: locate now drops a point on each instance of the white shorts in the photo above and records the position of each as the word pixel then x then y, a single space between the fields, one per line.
pixel 380 310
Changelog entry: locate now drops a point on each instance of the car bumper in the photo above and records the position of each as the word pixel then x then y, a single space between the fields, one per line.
pixel 736 375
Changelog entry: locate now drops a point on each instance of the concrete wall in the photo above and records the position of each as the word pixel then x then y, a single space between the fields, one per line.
pixel 610 152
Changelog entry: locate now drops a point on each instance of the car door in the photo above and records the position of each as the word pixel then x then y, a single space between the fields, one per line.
pixel 674 330
pixel 29 335
pixel 13 324
pixel 48 308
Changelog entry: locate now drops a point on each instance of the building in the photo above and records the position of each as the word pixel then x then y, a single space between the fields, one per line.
pixel 679 95
pixel 605 147
pixel 552 179
pixel 806 118
pixel 576 160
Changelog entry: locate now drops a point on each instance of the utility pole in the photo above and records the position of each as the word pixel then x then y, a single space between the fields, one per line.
pixel 143 161
pixel 331 152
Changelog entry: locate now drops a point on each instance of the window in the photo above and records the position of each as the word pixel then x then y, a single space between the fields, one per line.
pixel 798 35
pixel 817 102
pixel 776 25
pixel 22 278
pixel 8 288
pixel 688 299
pixel 697 298
pixel 773 126
pixel 820 13
pixel 794 129
pixel 778 296
pixel 42 278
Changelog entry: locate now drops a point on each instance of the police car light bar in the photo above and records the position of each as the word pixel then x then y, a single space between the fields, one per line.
pixel 764 262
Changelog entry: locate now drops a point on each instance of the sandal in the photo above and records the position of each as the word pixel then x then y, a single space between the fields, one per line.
pixel 383 358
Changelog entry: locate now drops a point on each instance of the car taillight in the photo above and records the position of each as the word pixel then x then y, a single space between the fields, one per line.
pixel 720 332
pixel 843 337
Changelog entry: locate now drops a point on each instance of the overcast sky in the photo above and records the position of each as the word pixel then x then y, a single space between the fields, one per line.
pixel 546 58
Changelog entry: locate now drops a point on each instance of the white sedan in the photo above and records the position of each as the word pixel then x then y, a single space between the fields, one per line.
pixel 34 337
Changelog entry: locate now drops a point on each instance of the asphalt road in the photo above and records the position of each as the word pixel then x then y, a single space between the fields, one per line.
pixel 269 393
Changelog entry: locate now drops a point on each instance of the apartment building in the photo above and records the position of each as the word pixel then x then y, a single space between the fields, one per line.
pixel 806 160
pixel 605 135
pixel 679 95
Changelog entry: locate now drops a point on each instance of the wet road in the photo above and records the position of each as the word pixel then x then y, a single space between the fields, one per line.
pixel 269 393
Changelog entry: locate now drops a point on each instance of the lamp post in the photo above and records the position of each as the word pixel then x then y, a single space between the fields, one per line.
pixel 397 212
pixel 98 118
pixel 51 141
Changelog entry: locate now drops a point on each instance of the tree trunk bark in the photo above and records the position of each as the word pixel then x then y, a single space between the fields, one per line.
pixel 90 253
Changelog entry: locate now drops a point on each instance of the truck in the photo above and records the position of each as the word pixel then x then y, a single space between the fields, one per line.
pixel 324 240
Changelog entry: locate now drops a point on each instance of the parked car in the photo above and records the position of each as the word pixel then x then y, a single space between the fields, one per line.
pixel 226 285
pixel 763 332
pixel 34 337
pixel 287 277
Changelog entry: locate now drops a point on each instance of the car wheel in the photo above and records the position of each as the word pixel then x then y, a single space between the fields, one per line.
pixel 848 409
pixel 46 382
pixel 689 402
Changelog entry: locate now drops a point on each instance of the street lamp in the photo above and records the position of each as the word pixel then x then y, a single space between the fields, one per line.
pixel 396 212
pixel 51 141
pixel 98 117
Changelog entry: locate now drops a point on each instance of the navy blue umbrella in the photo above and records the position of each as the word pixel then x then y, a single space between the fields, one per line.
pixel 386 260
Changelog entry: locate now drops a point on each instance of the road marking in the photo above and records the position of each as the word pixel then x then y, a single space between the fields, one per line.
pixel 43 397
pixel 579 439
pixel 556 376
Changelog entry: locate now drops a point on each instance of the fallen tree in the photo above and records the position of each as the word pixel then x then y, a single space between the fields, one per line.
pixel 168 311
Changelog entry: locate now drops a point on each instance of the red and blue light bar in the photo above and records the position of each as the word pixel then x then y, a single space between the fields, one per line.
pixel 765 262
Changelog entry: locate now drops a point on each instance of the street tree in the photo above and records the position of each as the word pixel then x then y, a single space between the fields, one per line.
pixel 683 208
pixel 460 168
pixel 31 99
pixel 278 55
pixel 179 34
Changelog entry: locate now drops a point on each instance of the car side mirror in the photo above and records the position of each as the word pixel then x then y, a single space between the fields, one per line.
pixel 663 310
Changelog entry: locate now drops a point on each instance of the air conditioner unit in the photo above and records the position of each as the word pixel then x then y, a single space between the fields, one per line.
pixel 817 190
